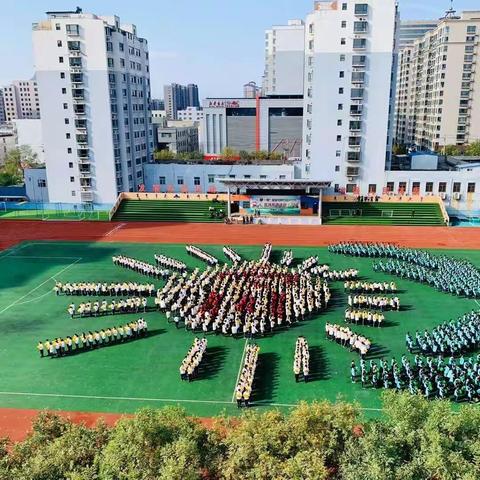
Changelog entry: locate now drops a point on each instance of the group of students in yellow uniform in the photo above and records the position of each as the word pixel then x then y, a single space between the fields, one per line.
pixel 59 347
pixel 94 309
pixel 364 317
pixel 243 390
pixel 105 289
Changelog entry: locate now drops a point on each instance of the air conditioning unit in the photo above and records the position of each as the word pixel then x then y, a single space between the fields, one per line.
pixel 443 195
pixel 457 196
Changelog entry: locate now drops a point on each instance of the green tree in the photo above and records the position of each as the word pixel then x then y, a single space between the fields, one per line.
pixel 16 161
pixel 244 155
pixel 450 150
pixel 399 149
pixel 473 149
pixel 229 153
pixel 161 155
pixel 156 444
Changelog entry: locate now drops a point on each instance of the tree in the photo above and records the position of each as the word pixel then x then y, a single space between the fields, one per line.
pixel 161 155
pixel 399 149
pixel 244 155
pixel 16 161
pixel 156 444
pixel 473 149
pixel 450 150
pixel 229 153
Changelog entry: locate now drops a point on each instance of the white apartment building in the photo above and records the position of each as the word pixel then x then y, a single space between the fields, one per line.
pixel 194 114
pixel 438 85
pixel 94 84
pixel 411 30
pixel 284 59
pixel 20 100
pixel 8 141
pixel 349 84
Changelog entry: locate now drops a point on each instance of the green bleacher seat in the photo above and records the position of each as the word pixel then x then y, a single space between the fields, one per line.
pixel 381 213
pixel 168 211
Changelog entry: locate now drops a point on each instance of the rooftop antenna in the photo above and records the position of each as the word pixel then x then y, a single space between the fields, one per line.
pixel 450 13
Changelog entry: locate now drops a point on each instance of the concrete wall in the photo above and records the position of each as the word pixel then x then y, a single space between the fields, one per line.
pixel 208 175
pixel 29 133
pixel 36 185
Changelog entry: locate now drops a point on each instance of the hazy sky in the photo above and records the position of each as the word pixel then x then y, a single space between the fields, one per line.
pixel 217 44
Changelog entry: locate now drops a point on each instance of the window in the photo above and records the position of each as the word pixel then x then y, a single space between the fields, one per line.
pixel 340 106
pixel 341 74
pixel 337 168
pixel 340 90
pixel 65 106
pixel 339 123
pixel 59 43
pixel 360 27
pixel 282 177
pixel 139 174
pixel 361 9
pixel 338 153
pixel 471 187
pixel 62 75
pixel 161 180
pixel 57 26
pixel 343 41
pixel 344 24
pixel 70 164
pixel 211 179
pixel 69 150
pixel 390 186
pixel 457 186
pixel 179 180
pixel 110 62
pixel 342 57
pixel 60 59
pixel 67 136
pixel 429 187
pixel 471 29
pixel 67 121
pixel 442 187
pixel 344 6
pixel 359 43
pixel 41 182
pixel 372 188
pixel 72 179
pixel 339 138
pixel 64 91
pixel 196 180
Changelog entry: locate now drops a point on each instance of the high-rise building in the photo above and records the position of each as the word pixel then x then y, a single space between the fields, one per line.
pixel 250 90
pixel 157 104
pixel 437 80
pixel 2 108
pixel 20 100
pixel 349 83
pixel 179 97
pixel 284 59
pixel 94 84
pixel 411 30
pixel 192 96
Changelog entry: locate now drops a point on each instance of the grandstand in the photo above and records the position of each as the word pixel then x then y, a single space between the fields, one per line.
pixel 382 213
pixel 168 211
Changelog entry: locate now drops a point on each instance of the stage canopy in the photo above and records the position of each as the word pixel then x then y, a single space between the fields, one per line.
pixel 283 185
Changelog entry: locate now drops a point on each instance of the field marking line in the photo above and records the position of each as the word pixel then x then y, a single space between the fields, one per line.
pixel 49 258
pixel 147 399
pixel 101 397
pixel 41 285
pixel 15 249
pixel 239 370
pixel 114 229
pixel 36 298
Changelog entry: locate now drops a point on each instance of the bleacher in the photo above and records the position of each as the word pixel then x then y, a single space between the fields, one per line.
pixel 381 213
pixel 168 211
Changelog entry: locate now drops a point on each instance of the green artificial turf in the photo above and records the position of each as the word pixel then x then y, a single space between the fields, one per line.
pixel 123 378
pixel 54 215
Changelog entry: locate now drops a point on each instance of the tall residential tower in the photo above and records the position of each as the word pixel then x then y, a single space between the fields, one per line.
pixel 94 85
pixel 349 83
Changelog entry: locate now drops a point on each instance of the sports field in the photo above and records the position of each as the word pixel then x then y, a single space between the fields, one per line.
pixel 123 378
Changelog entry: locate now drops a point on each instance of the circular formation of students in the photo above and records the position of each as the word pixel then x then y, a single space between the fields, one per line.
pixel 257 297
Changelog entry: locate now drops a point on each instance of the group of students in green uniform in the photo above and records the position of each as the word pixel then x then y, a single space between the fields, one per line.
pixel 447 274
pixel 62 346
pixel 433 377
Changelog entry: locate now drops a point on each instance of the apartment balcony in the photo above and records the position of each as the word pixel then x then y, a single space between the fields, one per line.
pixel 359 44
pixel 359 61
pixel 85 175
pixel 76 69
pixel 356 110
pixel 361 10
pixel 352 172
pixel 82 141
pixel 73 30
pixel 354 157
pixel 354 143
pixel 86 195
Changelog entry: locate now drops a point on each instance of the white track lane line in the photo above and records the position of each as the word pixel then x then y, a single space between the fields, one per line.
pixel 114 229
pixel 38 286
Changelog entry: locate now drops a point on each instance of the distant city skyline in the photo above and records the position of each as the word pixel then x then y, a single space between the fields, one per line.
pixel 216 44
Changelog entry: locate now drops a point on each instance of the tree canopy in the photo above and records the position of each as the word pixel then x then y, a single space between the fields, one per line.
pixel 413 438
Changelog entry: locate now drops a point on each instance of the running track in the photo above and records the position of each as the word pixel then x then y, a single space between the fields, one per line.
pixel 15 423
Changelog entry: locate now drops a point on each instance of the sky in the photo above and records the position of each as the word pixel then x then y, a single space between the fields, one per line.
pixel 217 44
